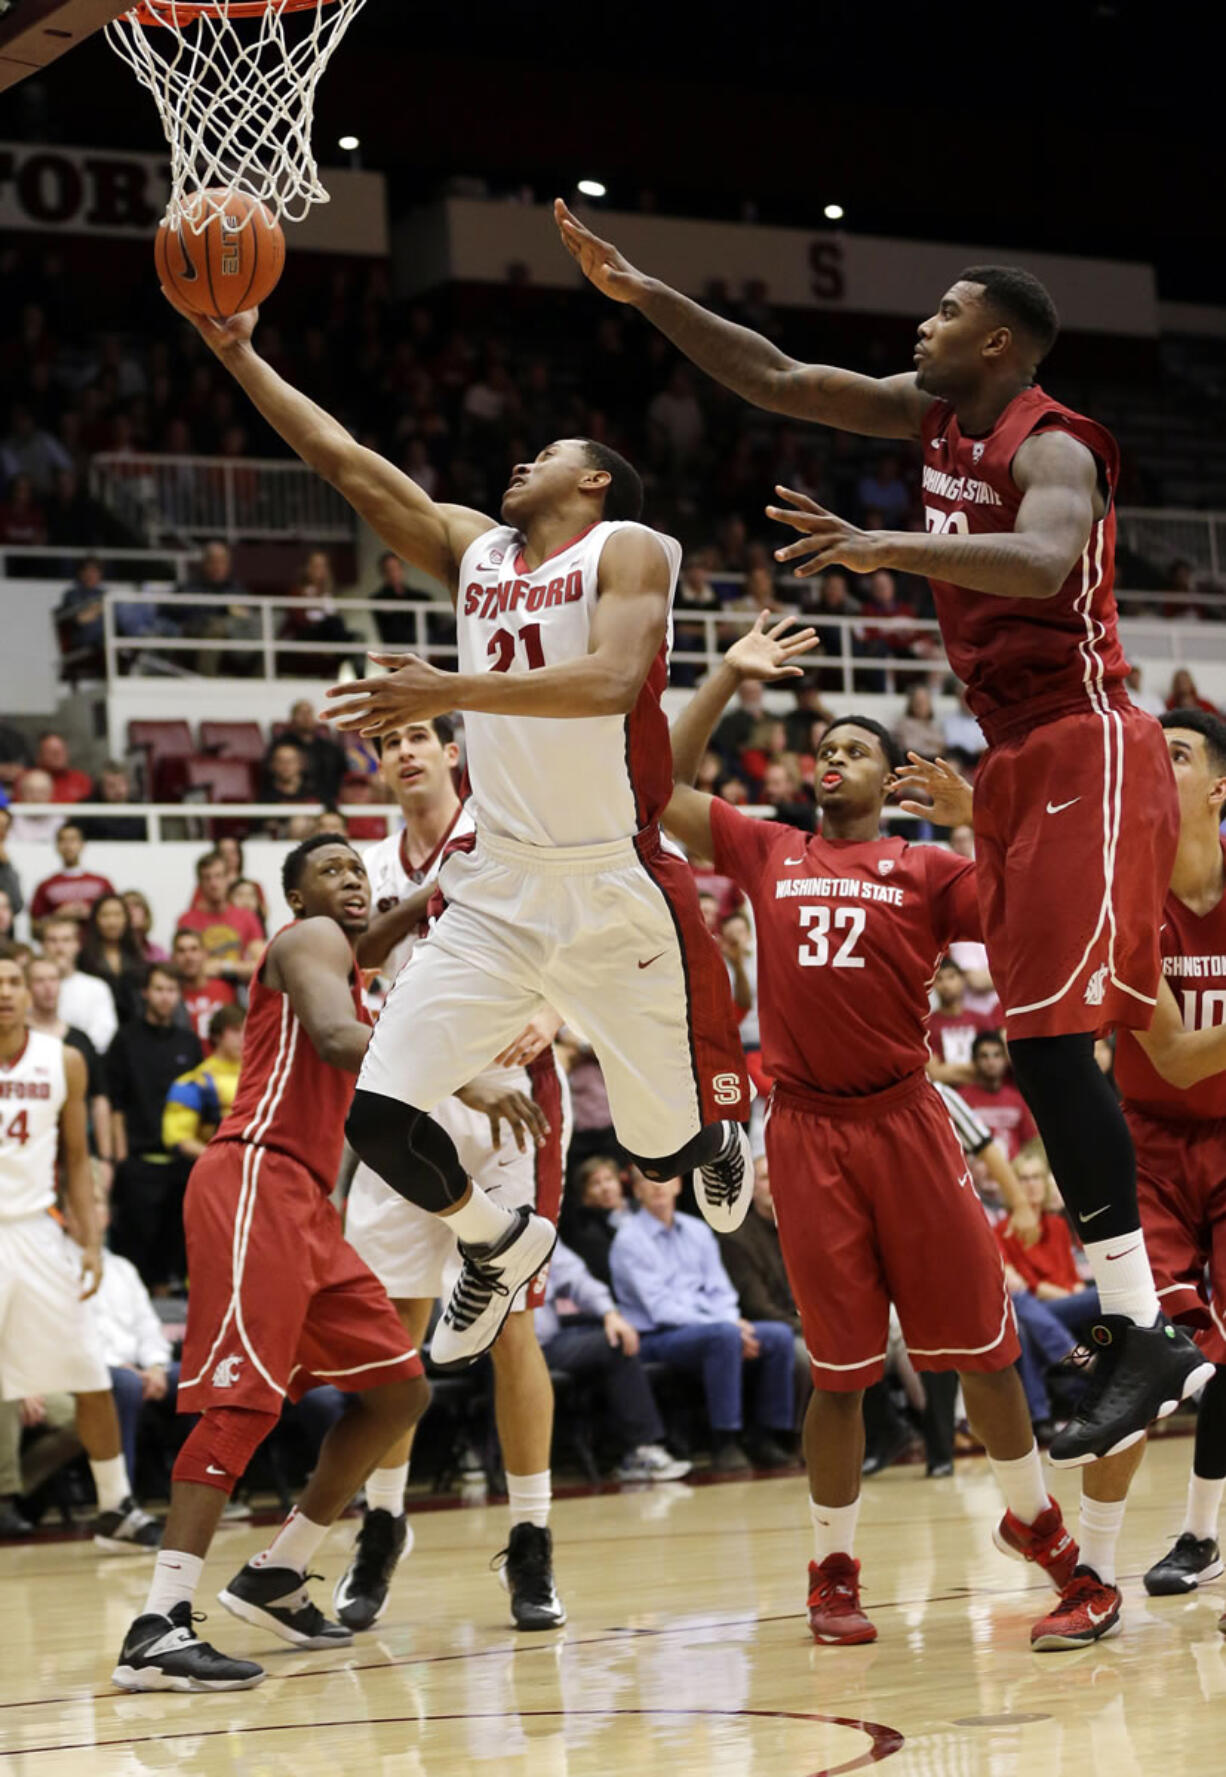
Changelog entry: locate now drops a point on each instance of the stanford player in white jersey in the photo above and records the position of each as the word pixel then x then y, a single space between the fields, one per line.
pixel 48 1341
pixel 569 897
pixel 1019 493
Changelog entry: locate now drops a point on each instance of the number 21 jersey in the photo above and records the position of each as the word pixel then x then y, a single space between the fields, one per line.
pixel 849 936
pixel 555 781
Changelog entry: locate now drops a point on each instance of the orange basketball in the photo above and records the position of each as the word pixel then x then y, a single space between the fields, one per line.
pixel 232 264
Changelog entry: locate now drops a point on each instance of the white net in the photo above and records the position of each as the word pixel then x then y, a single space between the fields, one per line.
pixel 234 83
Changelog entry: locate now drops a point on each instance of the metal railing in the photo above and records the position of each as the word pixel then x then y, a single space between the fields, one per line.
pixel 193 818
pixel 1164 536
pixel 235 498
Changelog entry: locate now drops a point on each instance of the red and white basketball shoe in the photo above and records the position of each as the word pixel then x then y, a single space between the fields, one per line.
pixel 835 1616
pixel 1088 1610
pixel 1047 1542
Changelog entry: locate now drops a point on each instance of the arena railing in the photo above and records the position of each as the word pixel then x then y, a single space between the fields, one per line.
pixel 193 818
pixel 235 498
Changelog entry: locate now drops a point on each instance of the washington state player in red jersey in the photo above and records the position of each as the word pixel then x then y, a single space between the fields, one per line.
pixel 872 1193
pixel 279 1301
pixel 1075 816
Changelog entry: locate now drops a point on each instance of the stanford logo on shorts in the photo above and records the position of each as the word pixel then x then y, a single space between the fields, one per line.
pixel 226 1373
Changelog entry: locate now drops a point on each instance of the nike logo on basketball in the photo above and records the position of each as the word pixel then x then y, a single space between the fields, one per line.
pixel 652 959
pixel 187 270
pixel 1059 807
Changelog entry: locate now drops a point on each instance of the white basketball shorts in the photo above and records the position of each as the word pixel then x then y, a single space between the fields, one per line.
pixel 612 937
pixel 48 1341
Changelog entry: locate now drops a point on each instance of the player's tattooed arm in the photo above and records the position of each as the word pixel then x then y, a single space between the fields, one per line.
pixel 1182 1057
pixel 392 927
pixel 74 1143
pixel 431 536
pixel 744 361
pixel 312 963
pixel 1060 501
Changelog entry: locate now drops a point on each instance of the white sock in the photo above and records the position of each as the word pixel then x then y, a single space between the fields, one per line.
pixel 481 1221
pixel 111 1482
pixel 175 1578
pixel 1204 1504
pixel 1021 1482
pixel 385 1489
pixel 294 1544
pixel 1098 1531
pixel 834 1529
pixel 1125 1282
pixel 529 1498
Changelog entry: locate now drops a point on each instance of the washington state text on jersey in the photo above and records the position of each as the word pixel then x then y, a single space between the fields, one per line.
pixel 838 888
pixel 959 487
pixel 1194 967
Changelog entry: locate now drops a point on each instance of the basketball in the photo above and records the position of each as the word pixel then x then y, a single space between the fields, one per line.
pixel 232 264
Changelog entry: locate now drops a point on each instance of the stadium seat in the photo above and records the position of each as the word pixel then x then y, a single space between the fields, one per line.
pixel 232 740
pixel 166 747
pixel 226 780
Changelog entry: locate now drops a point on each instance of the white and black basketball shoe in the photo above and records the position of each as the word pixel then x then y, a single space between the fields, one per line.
pixel 1140 1374
pixel 127 1531
pixel 276 1598
pixel 165 1654
pixel 490 1278
pixel 1193 1561
pixel 525 1568
pixel 360 1595
pixel 724 1186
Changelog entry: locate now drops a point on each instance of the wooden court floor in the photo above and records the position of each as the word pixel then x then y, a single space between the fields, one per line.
pixel 686 1652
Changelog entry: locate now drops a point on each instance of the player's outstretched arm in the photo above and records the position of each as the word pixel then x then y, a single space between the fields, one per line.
pixel 74 1142
pixel 386 930
pixel 432 537
pixel 312 963
pixel 1182 1057
pixel 628 631
pixel 1058 478
pixel 745 362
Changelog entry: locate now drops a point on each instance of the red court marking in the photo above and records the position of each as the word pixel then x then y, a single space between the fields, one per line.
pixel 883 1741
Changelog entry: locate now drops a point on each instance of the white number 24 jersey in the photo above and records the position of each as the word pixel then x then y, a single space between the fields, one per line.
pixel 33 1088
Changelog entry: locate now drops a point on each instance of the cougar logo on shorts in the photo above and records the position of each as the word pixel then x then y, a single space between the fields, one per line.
pixel 1097 987
pixel 226 1373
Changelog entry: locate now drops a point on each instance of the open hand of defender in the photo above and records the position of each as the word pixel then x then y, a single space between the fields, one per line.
pixel 763 653
pixel 599 261
pixel 825 537
pixel 524 1118
pixel 950 798
pixel 412 691
pixel 219 336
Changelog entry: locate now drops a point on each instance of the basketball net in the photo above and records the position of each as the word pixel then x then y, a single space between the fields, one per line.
pixel 234 84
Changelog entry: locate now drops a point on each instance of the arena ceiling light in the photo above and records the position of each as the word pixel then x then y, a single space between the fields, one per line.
pixel 832 212
pixel 349 143
pixel 592 188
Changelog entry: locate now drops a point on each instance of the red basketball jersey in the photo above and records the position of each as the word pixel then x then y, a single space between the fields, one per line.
pixel 287 1098
pixel 1194 963
pixel 1062 651
pixel 849 936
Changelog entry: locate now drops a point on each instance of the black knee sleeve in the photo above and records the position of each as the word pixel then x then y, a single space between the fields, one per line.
pixel 1083 1129
pixel 408 1149
pixel 697 1151
pixel 1210 1462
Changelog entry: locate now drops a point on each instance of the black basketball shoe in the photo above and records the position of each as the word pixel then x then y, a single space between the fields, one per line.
pixel 166 1654
pixel 1140 1374
pixel 724 1186
pixel 526 1570
pixel 1191 1563
pixel 360 1595
pixel 276 1598
pixel 127 1531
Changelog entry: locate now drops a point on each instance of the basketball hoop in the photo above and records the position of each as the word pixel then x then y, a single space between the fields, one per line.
pixel 234 84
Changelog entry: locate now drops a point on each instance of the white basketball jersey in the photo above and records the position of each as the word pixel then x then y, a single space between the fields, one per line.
pixel 392 880
pixel 33 1088
pixel 550 781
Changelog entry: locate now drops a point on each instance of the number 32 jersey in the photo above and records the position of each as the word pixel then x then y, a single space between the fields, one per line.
pixel 549 781
pixel 1194 963
pixel 849 936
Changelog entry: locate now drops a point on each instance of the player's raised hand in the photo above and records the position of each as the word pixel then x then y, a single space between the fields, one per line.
pixel 763 653
pixel 825 538
pixel 411 691
pixel 950 799
pixel 219 336
pixel 599 261
pixel 524 1118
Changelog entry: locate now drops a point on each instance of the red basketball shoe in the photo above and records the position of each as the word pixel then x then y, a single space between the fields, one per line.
pixel 1047 1541
pixel 835 1616
pixel 1088 1610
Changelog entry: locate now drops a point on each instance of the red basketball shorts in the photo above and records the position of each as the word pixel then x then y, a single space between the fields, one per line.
pixel 1076 824
pixel 876 1205
pixel 1181 1188
pixel 279 1301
